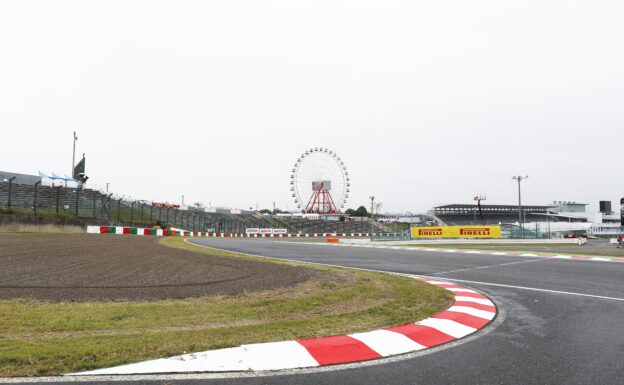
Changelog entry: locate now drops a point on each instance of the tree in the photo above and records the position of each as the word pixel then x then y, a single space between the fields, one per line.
pixel 361 212
pixel 350 212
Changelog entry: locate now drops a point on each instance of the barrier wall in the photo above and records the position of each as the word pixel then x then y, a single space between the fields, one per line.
pixel 470 232
pixel 175 233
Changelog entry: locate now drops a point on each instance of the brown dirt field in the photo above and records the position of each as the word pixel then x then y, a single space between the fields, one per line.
pixel 114 267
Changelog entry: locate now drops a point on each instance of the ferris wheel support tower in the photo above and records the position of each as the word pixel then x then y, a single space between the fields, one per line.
pixel 321 200
pixel 321 179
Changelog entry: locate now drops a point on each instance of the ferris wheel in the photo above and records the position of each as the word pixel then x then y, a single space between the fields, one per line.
pixel 319 182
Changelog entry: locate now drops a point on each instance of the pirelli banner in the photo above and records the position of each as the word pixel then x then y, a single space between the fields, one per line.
pixel 456 232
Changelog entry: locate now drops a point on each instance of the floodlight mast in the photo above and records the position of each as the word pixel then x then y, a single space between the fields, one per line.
pixel 480 198
pixel 372 226
pixel 74 156
pixel 520 178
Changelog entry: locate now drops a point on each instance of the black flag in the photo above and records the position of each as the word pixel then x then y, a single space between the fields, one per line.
pixel 79 168
pixel 622 211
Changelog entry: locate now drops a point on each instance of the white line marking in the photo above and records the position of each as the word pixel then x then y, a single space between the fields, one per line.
pixel 488 266
pixel 467 251
pixel 533 289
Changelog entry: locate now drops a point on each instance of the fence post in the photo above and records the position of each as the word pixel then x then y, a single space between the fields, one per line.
pixel 167 215
pixel 119 211
pixel 10 184
pixel 142 208
pixel 58 197
pixel 132 213
pixel 77 199
pixel 35 198
pixel 94 204
pixel 103 208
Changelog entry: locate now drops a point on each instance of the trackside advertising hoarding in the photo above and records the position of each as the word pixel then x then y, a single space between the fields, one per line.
pixel 456 232
pixel 256 230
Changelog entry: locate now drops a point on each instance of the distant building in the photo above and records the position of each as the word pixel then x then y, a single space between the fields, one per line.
pixel 468 214
pixel 19 178
pixel 555 220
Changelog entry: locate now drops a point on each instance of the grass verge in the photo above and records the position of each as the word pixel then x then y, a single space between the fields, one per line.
pixel 53 338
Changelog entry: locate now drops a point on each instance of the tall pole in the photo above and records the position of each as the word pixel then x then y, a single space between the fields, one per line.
pixel 520 178
pixel 9 197
pixel 74 155
pixel 35 200
pixel 372 198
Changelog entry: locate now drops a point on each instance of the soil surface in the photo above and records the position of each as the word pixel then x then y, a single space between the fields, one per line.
pixel 113 267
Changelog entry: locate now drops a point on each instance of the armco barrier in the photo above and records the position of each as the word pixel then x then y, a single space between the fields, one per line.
pixel 176 233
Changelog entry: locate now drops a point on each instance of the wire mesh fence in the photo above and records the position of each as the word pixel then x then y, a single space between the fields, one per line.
pixel 93 204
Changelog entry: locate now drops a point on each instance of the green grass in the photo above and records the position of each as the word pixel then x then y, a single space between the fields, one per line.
pixel 44 213
pixel 54 338
pixel 125 215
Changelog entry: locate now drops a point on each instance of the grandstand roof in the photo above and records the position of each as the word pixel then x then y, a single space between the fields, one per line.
pixel 19 178
pixel 464 207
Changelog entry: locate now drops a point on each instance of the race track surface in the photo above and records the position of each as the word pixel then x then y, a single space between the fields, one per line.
pixel 560 321
pixel 592 247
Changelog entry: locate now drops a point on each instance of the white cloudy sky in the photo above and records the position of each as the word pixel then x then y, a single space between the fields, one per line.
pixel 428 102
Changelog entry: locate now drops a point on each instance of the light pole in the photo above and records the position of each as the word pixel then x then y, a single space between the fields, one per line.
pixel 478 199
pixel 74 155
pixel 372 198
pixel 520 178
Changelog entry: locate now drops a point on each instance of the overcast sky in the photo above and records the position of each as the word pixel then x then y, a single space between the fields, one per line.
pixel 427 102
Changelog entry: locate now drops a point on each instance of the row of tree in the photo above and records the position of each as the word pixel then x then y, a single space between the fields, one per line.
pixel 359 212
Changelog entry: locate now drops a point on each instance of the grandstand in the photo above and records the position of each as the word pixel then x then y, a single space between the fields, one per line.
pixel 300 225
pixel 460 214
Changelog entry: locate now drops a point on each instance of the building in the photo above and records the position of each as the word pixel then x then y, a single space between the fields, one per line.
pixel 561 218
pixel 469 214
pixel 26 179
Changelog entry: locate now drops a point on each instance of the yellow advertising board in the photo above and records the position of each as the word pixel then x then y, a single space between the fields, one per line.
pixel 456 232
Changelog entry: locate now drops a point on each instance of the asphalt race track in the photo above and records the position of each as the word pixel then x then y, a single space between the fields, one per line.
pixel 560 322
